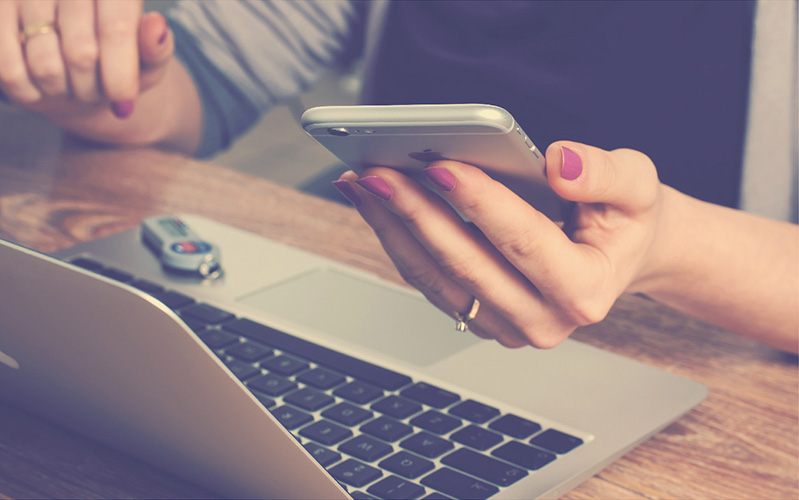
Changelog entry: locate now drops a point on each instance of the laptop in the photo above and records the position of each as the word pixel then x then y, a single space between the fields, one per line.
pixel 294 376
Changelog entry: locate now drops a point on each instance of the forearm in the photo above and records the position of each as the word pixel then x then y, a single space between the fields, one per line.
pixel 730 268
pixel 166 115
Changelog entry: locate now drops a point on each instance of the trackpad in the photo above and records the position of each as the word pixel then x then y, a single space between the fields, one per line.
pixel 366 313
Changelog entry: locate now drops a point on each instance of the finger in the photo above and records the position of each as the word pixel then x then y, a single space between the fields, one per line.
pixel 419 269
pixel 468 258
pixel 617 193
pixel 43 50
pixel 76 19
pixel 117 28
pixel 624 179
pixel 412 260
pixel 155 40
pixel 156 48
pixel 14 79
pixel 569 276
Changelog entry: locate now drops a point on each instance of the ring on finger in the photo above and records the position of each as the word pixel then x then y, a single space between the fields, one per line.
pixel 462 321
pixel 34 30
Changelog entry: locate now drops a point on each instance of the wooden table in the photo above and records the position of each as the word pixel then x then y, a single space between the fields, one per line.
pixel 54 192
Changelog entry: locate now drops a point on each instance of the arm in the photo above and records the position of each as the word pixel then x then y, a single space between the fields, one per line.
pixel 730 268
pixel 537 282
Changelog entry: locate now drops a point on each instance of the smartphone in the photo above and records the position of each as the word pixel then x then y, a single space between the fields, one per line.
pixel 409 137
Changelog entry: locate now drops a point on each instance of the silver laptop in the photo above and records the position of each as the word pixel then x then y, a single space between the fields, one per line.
pixel 294 376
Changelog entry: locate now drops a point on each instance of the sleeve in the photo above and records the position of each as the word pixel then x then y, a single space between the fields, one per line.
pixel 246 56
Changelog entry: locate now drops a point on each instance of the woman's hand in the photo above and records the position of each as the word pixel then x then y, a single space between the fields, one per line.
pixel 536 282
pixel 72 59
pixel 100 69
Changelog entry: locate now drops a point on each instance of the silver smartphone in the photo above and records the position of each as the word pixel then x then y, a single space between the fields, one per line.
pixel 408 137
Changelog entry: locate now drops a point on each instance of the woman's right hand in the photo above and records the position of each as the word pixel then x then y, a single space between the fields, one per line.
pixel 537 282
pixel 80 57
pixel 628 233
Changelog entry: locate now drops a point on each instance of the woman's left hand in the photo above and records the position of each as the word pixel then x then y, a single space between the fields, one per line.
pixel 536 282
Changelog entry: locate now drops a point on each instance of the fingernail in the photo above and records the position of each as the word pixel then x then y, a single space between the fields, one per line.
pixel 441 177
pixel 376 186
pixel 572 164
pixel 122 109
pixel 347 190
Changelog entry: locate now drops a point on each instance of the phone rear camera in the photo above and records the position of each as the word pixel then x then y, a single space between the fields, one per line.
pixel 339 131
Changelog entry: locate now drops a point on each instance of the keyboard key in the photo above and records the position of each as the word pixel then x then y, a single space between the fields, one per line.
pixel 556 441
pixel 360 495
pixel 117 275
pixel 437 422
pixel 271 384
pixel 326 433
pixel 366 448
pixel 407 465
pixel 436 496
pixel 265 400
pixel 198 326
pixel 458 485
pixel 329 358
pixel 355 473
pixel 476 437
pixel 249 351
pixel 484 467
pixel 386 429
pixel 523 455
pixel 291 418
pixel 88 264
pixel 430 395
pixel 240 369
pixel 206 314
pixel 395 488
pixel 321 378
pixel 309 399
pixel 427 445
pixel 347 414
pixel 284 365
pixel 397 407
pixel 217 339
pixel 174 300
pixel 323 455
pixel 358 392
pixel 514 426
pixel 148 286
pixel 473 411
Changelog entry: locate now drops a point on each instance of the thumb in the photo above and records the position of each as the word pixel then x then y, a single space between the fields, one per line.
pixel 156 46
pixel 623 178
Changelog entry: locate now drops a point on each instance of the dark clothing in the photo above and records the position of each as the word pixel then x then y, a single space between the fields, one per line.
pixel 669 78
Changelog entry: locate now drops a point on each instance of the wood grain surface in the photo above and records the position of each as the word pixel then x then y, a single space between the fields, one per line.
pixel 741 443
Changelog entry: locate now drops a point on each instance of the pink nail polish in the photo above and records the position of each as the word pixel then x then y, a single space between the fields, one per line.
pixel 376 186
pixel 572 164
pixel 122 109
pixel 347 190
pixel 441 177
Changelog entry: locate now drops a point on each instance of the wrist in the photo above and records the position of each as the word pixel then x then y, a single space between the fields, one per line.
pixel 663 268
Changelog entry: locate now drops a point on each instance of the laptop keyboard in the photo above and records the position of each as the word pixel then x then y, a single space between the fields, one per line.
pixel 380 433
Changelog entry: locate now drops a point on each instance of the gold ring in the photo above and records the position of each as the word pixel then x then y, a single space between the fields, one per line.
pixel 462 322
pixel 34 30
